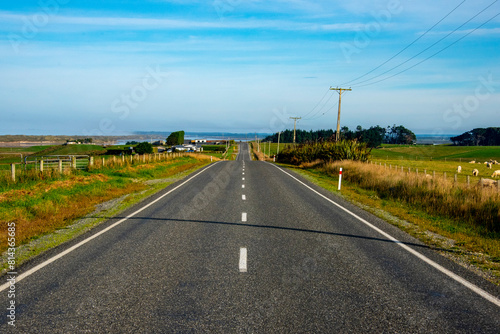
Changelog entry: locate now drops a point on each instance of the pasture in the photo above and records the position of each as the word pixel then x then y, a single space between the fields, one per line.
pixel 439 159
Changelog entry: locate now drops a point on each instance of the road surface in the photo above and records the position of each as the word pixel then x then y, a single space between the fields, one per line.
pixel 247 247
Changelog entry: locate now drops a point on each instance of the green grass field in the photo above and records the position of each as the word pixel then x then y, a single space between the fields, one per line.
pixel 439 159
pixel 437 152
pixel 77 149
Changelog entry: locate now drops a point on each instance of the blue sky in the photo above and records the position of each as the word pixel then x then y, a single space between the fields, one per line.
pixel 113 67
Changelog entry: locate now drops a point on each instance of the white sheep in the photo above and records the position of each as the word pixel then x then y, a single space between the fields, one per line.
pixel 459 169
pixel 488 182
pixel 472 162
pixel 495 173
pixel 488 165
pixel 475 172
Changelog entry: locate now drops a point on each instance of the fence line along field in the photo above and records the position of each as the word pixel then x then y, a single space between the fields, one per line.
pixel 441 159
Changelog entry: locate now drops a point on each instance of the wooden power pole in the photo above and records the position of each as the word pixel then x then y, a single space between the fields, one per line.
pixel 339 90
pixel 294 126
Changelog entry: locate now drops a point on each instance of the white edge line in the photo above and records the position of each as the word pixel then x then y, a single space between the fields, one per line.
pixel 81 243
pixel 445 271
pixel 243 260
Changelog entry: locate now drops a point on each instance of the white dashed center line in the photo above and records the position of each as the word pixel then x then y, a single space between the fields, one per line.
pixel 244 217
pixel 243 186
pixel 243 260
pixel 243 197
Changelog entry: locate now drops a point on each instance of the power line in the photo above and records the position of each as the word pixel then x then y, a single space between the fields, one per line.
pixel 405 48
pixel 320 109
pixel 327 91
pixel 420 62
pixel 429 47
pixel 323 114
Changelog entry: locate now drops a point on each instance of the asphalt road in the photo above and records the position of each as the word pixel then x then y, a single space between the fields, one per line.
pixel 242 247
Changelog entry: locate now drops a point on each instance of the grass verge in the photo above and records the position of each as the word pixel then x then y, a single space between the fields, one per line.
pixel 471 246
pixel 50 212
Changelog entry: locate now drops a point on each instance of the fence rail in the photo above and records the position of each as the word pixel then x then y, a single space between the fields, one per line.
pixel 60 162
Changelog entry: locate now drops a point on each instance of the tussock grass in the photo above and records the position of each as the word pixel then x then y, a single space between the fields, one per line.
pixel 476 206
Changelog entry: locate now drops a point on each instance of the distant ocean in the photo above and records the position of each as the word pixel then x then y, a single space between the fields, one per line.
pixel 426 139
pixel 422 139
pixel 154 136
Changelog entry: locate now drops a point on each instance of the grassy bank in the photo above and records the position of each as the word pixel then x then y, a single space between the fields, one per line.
pixel 468 219
pixel 42 207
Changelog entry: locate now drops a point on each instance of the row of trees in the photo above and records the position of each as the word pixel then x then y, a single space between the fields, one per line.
pixel 373 137
pixel 478 137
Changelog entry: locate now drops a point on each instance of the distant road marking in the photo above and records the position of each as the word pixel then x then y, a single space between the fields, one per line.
pixel 81 243
pixel 243 186
pixel 242 179
pixel 243 260
pixel 442 269
pixel 243 197
pixel 244 217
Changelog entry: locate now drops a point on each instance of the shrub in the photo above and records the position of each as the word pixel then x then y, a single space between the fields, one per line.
pixel 143 148
pixel 326 151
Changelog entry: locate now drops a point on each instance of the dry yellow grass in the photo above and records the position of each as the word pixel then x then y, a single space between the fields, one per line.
pixel 46 206
pixel 475 205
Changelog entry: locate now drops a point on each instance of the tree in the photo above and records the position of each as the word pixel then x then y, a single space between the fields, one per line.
pixel 399 135
pixel 176 138
pixel 478 137
pixel 374 136
pixel 143 148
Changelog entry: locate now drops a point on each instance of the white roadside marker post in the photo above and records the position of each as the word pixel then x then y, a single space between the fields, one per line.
pixel 340 177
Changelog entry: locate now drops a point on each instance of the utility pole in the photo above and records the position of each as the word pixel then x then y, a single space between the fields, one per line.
pixel 278 152
pixel 294 126
pixel 339 90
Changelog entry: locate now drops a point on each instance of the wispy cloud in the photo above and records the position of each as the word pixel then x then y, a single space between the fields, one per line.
pixel 132 23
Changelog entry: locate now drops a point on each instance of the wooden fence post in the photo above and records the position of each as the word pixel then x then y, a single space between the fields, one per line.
pixel 103 161
pixel 73 162
pixel 91 161
pixel 468 181
pixel 41 166
pixel 13 171
pixel 60 166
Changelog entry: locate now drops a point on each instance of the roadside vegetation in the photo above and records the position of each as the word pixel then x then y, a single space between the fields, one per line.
pixel 417 185
pixel 41 206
